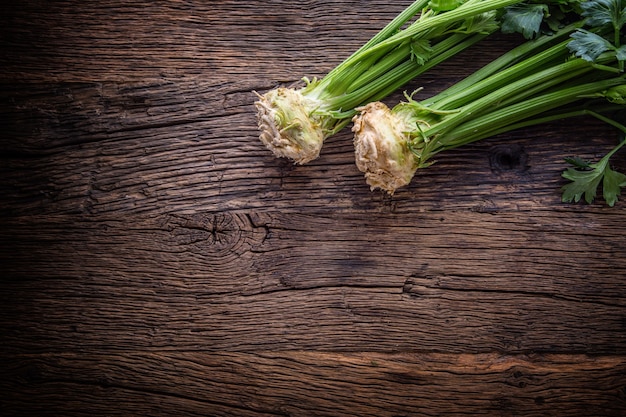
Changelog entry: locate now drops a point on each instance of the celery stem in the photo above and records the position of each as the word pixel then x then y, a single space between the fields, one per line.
pixel 515 55
pixel 514 91
pixel 504 120
pixel 388 82
pixel 502 78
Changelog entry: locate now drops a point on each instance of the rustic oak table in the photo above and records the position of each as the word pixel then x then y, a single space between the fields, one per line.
pixel 157 260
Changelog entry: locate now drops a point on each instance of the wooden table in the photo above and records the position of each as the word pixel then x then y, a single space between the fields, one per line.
pixel 157 260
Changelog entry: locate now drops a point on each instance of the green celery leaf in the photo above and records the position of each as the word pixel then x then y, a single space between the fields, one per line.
pixel 621 53
pixel 587 45
pixel 604 12
pixel 554 20
pixel 420 51
pixel 586 177
pixel 583 183
pixel 524 18
pixel 611 185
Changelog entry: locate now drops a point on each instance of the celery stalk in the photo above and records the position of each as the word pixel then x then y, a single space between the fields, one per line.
pixel 543 83
pixel 294 123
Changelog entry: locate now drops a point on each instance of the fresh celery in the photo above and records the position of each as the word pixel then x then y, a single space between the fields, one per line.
pixel 295 122
pixel 542 80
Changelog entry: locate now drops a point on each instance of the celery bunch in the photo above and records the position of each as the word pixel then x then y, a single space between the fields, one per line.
pixel 295 122
pixel 575 71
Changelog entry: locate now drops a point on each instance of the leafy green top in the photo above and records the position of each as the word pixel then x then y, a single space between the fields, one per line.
pixel 585 178
pixel 603 16
pixel 534 18
pixel 606 18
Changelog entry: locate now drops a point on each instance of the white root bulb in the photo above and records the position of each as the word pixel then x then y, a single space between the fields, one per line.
pixel 381 148
pixel 287 127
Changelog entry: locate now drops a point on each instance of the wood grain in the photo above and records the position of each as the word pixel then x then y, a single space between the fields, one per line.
pixel 205 275
pixel 301 383
pixel 157 260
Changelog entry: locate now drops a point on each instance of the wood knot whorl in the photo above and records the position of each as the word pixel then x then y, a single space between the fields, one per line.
pixel 508 157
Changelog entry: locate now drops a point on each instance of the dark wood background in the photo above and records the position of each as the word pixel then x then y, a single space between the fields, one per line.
pixel 157 260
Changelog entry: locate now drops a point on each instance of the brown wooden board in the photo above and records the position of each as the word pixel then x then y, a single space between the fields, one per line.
pixel 157 260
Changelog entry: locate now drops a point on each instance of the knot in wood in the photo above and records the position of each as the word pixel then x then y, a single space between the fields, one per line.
pixel 209 231
pixel 509 157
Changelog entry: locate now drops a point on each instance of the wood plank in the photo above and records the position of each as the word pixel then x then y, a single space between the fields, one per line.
pixel 155 259
pixel 471 282
pixel 157 147
pixel 297 383
pixel 114 40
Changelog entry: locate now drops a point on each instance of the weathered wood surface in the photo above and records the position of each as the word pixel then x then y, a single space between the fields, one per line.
pixel 157 260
